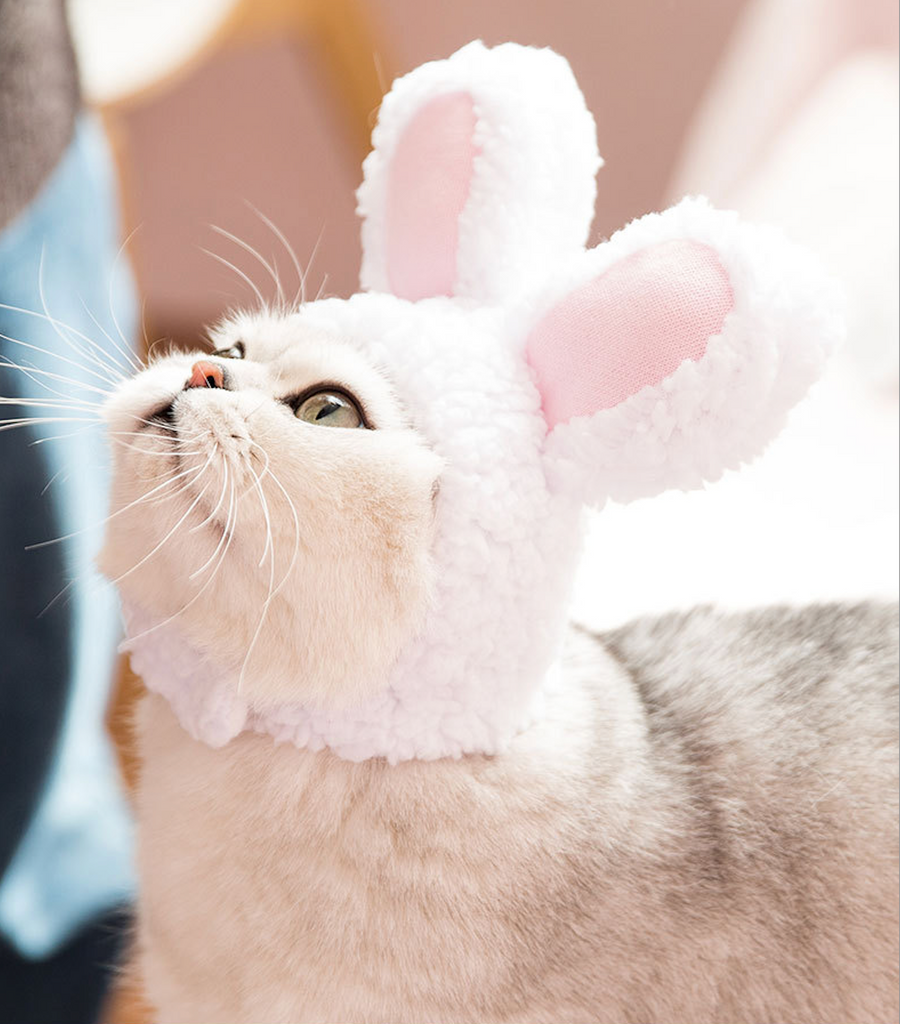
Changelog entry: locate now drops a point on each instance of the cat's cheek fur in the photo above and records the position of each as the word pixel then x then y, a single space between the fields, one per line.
pixel 363 576
pixel 344 538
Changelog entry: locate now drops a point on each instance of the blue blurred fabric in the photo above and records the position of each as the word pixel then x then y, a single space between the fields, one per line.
pixel 74 861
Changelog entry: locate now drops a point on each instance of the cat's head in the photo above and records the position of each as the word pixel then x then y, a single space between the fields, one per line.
pixel 351 486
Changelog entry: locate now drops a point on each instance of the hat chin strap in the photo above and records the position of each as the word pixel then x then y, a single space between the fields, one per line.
pixel 401 723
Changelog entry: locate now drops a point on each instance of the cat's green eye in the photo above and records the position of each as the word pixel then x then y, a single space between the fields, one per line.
pixel 329 409
pixel 236 351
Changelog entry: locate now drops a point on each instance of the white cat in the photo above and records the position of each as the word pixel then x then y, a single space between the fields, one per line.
pixel 378 785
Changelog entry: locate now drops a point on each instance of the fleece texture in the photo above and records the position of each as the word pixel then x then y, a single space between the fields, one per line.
pixel 546 378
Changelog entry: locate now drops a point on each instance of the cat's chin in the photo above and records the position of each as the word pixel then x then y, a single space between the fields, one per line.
pixel 271 673
pixel 288 649
pixel 319 623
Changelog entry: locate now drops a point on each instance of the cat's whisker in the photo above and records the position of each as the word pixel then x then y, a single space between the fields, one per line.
pixel 264 507
pixel 55 476
pixel 30 370
pixel 112 312
pixel 154 452
pixel 151 351
pixel 51 401
pixel 140 432
pixel 185 485
pixel 59 326
pixel 88 529
pixel 55 599
pixel 272 271
pixel 232 508
pixel 54 404
pixel 89 420
pixel 153 423
pixel 162 439
pixel 265 608
pixel 164 499
pixel 160 425
pixel 265 457
pixel 106 333
pixel 190 477
pixel 33 421
pixel 296 521
pixel 60 358
pixel 228 533
pixel 144 324
pixel 215 511
pixel 58 323
pixel 287 246
pixel 84 576
pixel 309 264
pixel 71 433
pixel 98 525
pixel 273 590
pixel 171 532
pixel 321 290
pixel 240 274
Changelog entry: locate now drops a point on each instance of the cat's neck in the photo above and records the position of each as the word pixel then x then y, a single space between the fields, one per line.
pixel 415 720
pixel 477 674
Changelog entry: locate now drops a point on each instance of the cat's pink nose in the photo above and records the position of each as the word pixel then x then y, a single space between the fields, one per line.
pixel 206 374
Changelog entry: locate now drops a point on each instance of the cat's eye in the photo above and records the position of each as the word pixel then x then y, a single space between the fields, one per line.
pixel 329 409
pixel 235 352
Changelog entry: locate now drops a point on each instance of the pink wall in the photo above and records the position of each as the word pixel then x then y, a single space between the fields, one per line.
pixel 258 124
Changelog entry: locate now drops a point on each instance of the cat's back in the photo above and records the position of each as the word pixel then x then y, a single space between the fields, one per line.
pixel 777 732
pixel 793 692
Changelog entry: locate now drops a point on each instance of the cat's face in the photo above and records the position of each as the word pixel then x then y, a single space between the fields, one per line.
pixel 284 516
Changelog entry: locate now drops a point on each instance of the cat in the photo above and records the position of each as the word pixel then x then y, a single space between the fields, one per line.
pixel 382 780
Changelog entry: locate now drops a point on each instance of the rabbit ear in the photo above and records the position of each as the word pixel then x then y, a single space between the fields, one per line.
pixel 482 170
pixel 674 351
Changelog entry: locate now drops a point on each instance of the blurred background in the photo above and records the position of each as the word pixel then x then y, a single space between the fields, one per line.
pixel 230 113
pixel 280 114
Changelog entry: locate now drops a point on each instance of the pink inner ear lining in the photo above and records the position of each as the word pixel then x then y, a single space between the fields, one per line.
pixel 428 188
pixel 630 327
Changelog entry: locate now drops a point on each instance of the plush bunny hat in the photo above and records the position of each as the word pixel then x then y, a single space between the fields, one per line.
pixel 547 377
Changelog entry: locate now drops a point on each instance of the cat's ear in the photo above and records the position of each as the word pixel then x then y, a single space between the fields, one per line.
pixel 674 351
pixel 482 174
